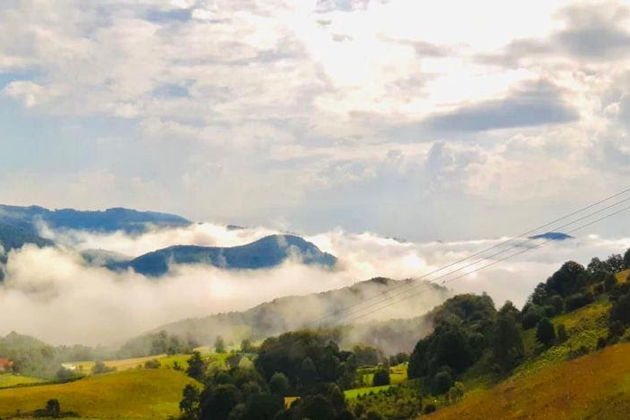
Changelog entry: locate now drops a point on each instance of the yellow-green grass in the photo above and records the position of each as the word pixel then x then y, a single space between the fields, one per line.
pixel 356 392
pixel 622 276
pixel 584 327
pixel 133 394
pixel 596 386
pixel 397 374
pixel 217 359
pixel 9 379
pixel 120 365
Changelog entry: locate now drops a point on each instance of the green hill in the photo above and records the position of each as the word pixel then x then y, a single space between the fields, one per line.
pixel 596 386
pixel 134 394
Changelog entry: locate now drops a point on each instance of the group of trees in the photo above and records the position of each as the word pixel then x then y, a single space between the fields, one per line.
pixel 156 343
pixel 307 364
pixel 464 327
pixel 468 329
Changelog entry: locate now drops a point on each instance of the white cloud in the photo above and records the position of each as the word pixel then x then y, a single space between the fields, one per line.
pixel 51 293
pixel 288 108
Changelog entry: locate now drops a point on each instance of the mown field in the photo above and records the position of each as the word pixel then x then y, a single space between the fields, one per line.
pixel 218 359
pixel 596 386
pixel 10 379
pixel 132 394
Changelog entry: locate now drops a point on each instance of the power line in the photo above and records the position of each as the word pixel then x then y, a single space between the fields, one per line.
pixel 495 262
pixel 361 305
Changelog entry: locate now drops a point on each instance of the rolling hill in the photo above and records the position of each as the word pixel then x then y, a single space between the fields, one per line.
pixel 110 220
pixel 394 329
pixel 137 394
pixel 267 252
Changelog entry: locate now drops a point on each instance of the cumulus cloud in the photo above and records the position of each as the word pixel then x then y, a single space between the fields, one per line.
pixel 533 104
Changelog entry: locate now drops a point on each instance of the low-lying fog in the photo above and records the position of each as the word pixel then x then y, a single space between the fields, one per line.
pixel 53 294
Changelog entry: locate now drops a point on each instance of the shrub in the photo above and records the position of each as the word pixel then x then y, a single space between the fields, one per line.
pixel 545 333
pixel 442 382
pixel 100 367
pixel 152 364
pixel 561 332
pixel 429 408
pixel 381 377
pixel 578 300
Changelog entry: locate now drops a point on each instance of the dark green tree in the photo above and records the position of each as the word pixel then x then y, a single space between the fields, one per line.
pixel 53 408
pixel 218 402
pixel 620 310
pixel 561 333
pixel 626 259
pixel 616 263
pixel 279 384
pixel 219 345
pixel 442 382
pixel 545 333
pixel 381 377
pixel 196 367
pixel 508 346
pixel 189 405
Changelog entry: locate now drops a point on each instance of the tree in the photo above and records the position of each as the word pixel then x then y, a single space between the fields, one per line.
pixel 508 346
pixel 620 310
pixel 626 259
pixel 189 405
pixel 196 367
pixel 561 332
pixel 217 403
pixel 545 333
pixel 442 382
pixel 531 316
pixel 246 346
pixel 279 384
pixel 616 263
pixel 219 345
pixel 53 408
pixel 308 372
pixel 381 377
pixel 610 281
pixel 100 367
pixel 456 392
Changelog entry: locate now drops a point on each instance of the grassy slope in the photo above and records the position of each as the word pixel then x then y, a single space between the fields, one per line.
pixel 9 380
pixel 136 394
pixel 584 326
pixel 595 386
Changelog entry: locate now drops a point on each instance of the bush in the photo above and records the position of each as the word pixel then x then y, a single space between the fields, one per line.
pixel 620 310
pixel 100 367
pixel 381 377
pixel 545 333
pixel 561 332
pixel 429 408
pixel 152 364
pixel 442 382
pixel 578 300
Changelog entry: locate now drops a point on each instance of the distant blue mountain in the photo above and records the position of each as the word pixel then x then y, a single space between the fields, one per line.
pixel 110 220
pixel 552 236
pixel 267 252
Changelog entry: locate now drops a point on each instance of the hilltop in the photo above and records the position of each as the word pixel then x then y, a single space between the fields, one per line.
pixel 394 332
pixel 267 252
pixel 109 220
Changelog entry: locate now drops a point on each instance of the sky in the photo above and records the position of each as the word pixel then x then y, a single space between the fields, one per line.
pixel 428 121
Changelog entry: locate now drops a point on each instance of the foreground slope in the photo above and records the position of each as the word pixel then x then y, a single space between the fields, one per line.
pixel 139 393
pixel 596 386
